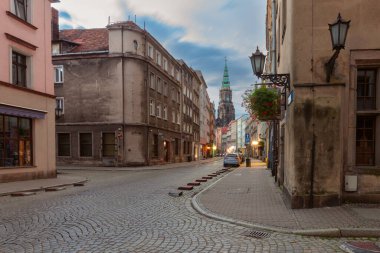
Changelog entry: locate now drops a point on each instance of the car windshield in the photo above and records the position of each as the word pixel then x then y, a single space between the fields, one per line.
pixel 231 155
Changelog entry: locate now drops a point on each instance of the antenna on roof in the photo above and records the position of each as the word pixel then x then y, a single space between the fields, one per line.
pixel 109 20
pixel 135 20
pixel 129 17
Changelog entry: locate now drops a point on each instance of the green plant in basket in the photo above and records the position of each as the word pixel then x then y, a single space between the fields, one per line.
pixel 264 103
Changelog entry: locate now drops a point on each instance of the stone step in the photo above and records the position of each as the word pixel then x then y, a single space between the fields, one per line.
pixel 22 194
pixel 185 188
pixel 194 184
pixel 54 189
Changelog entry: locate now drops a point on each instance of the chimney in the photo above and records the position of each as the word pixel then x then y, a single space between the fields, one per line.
pixel 54 24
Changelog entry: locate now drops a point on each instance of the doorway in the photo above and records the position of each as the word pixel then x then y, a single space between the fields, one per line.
pixel 167 151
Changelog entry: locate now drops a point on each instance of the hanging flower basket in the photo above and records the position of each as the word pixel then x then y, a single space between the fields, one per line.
pixel 265 103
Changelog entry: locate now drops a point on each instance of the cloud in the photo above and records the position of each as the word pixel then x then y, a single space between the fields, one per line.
pixel 198 31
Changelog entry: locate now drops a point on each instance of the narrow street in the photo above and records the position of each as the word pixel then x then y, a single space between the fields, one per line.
pixel 131 211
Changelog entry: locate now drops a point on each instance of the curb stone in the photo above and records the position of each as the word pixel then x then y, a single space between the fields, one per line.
pixel 46 187
pixel 139 169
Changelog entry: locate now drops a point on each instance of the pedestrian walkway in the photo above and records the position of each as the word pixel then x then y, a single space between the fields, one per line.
pixel 249 196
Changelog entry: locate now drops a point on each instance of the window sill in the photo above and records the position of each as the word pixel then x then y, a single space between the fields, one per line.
pixel 10 14
pixel 368 112
pixel 18 167
pixel 368 170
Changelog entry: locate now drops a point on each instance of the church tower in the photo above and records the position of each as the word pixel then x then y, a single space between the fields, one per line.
pixel 226 110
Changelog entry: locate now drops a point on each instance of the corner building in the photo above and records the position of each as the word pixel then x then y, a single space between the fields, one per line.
pixel 121 94
pixel 27 101
pixel 329 134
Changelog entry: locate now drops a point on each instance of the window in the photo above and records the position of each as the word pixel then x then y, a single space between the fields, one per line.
pixel 365 140
pixel 15 141
pixel 366 127
pixel 178 96
pixel 173 94
pixel 176 146
pixel 85 144
pixel 178 76
pixel 151 81
pixel 60 104
pixel 166 89
pixel 159 86
pixel 58 74
pixel 151 107
pixel 155 145
pixel 165 112
pixel 165 63
pixel 184 109
pixel 108 144
pixel 173 116
pixel 63 141
pixel 158 58
pixel 20 8
pixel 284 10
pixel 19 68
pixel 178 118
pixel 55 49
pixel 366 89
pixel 172 71
pixel 150 51
pixel 158 110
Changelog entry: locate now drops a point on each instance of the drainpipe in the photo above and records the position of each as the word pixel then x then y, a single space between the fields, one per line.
pixel 274 40
pixel 147 99
pixel 274 71
pixel 123 84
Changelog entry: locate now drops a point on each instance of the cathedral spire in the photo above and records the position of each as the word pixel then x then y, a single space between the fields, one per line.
pixel 226 78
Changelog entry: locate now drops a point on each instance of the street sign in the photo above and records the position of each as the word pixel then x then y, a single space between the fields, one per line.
pixel 291 97
pixel 247 138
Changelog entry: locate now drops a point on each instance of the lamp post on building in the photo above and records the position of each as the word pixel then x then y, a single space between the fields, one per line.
pixel 338 33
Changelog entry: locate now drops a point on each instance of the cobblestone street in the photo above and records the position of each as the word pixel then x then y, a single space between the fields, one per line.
pixel 131 211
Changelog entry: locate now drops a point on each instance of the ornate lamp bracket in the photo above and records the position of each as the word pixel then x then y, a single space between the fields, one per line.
pixel 282 80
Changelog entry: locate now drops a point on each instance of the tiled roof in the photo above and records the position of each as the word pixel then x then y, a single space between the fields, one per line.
pixel 88 40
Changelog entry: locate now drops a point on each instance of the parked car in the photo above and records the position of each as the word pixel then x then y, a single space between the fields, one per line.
pixel 231 160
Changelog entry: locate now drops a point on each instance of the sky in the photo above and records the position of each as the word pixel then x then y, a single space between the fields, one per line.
pixel 201 32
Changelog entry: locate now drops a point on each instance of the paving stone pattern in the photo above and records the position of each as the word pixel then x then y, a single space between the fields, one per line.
pixel 132 212
pixel 260 201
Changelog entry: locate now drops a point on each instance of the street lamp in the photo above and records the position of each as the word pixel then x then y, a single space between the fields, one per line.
pixel 338 33
pixel 258 61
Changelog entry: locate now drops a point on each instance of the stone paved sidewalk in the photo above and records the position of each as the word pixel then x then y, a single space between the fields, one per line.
pixel 250 195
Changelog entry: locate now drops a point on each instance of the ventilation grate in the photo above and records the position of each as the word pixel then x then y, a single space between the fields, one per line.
pixel 257 234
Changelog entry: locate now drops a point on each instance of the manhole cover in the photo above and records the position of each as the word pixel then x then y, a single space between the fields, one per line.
pixel 257 234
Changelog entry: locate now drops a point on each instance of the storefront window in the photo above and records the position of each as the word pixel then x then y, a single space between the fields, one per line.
pixel 15 141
